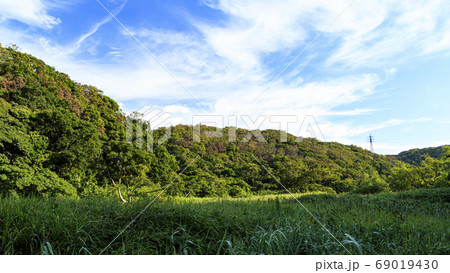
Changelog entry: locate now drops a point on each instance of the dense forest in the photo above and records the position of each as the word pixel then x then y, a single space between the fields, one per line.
pixel 59 137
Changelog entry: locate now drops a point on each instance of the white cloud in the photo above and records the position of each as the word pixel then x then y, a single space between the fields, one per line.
pixel 30 12
pixel 393 149
pixel 390 72
pixel 343 132
pixel 176 109
pixel 255 27
pixel 317 98
pixel 409 29
pixel 423 119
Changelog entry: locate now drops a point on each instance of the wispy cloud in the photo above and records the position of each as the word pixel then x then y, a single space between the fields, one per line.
pixel 94 29
pixel 407 30
pixel 344 131
pixel 30 12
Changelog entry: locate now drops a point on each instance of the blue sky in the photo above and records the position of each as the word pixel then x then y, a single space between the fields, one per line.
pixel 366 67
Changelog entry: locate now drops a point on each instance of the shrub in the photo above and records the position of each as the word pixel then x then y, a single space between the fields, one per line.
pixel 443 181
pixel 319 188
pixel 344 185
pixel 372 185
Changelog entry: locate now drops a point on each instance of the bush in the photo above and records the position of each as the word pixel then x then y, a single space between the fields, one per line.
pixel 443 181
pixel 403 179
pixel 320 188
pixel 372 185
pixel 345 185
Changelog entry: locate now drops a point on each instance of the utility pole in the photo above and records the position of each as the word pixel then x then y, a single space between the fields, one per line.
pixel 371 141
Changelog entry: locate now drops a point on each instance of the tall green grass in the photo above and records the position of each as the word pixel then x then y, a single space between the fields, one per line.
pixel 415 222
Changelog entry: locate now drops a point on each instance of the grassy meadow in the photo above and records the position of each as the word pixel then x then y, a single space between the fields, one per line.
pixel 416 222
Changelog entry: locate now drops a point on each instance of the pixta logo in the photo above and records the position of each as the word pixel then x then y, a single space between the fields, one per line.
pixel 308 128
pixel 140 126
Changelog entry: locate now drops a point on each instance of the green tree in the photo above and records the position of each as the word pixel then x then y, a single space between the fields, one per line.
pixel 292 173
pixel 126 167
pixel 404 179
pixel 372 185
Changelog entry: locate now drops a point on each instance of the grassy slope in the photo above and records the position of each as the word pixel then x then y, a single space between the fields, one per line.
pixel 404 223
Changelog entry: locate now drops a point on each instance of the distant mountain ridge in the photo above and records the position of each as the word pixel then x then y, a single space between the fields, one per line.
pixel 416 156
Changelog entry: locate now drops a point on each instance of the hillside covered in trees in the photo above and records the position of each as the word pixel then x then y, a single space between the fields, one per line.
pixel 59 137
pixel 416 156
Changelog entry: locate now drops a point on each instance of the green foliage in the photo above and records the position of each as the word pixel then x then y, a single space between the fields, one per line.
pixel 344 185
pixel 61 137
pixel 372 185
pixel 430 173
pixel 126 167
pixel 403 179
pixel 416 156
pixel 303 166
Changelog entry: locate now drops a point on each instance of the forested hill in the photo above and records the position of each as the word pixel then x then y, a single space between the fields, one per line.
pixel 416 156
pixel 306 165
pixel 59 137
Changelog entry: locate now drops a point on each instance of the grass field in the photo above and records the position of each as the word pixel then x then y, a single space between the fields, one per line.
pixel 415 222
